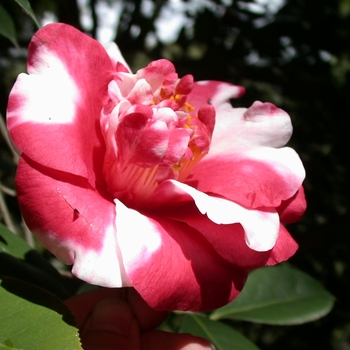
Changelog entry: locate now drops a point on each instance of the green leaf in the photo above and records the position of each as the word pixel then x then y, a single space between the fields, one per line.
pixel 222 336
pixel 12 244
pixel 7 28
pixel 28 10
pixel 33 319
pixel 279 295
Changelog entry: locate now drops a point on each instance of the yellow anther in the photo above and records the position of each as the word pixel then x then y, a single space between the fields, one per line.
pixel 187 107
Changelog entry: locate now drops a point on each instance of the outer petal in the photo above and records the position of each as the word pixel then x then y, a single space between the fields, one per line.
pixel 172 266
pixel 263 177
pixel 261 125
pixel 285 247
pixel 73 221
pixel 260 226
pixel 243 163
pixel 293 209
pixel 57 106
pixel 229 240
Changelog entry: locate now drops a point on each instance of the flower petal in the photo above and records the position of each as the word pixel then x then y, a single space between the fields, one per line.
pixel 285 248
pixel 293 209
pixel 73 221
pixel 229 240
pixel 263 177
pixel 140 140
pixel 260 226
pixel 172 266
pixel 261 125
pixel 53 112
pixel 212 92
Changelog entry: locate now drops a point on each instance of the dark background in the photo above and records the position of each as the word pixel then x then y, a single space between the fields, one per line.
pixel 297 57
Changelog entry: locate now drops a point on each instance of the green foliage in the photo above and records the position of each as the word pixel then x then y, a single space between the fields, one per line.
pixel 25 5
pixel 7 27
pixel 33 319
pixel 279 295
pixel 12 245
pixel 219 334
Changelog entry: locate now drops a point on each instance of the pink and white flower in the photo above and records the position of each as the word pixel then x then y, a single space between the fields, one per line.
pixel 148 180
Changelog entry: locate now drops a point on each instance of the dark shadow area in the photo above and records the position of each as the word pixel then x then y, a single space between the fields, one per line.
pixel 34 271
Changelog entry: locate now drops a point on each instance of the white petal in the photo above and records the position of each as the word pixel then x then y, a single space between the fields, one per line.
pixel 261 226
pixel 51 93
pixel 103 268
pixel 261 125
pixel 137 237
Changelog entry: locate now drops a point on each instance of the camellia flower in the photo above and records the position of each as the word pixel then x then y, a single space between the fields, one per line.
pixel 148 180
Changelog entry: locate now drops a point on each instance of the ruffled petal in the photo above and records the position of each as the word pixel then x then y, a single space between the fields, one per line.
pixel 260 226
pixel 139 140
pixel 293 209
pixel 240 129
pixel 172 266
pixel 229 240
pixel 73 221
pixel 53 113
pixel 184 85
pixel 263 177
pixel 284 249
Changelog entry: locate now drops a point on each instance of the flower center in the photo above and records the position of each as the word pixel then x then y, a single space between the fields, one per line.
pixel 152 132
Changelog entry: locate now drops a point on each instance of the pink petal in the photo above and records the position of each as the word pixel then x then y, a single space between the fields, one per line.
pixel 172 266
pixel 229 241
pixel 184 85
pixel 263 177
pixel 125 82
pixel 293 209
pixel 141 93
pixel 73 221
pixel 260 226
pixel 261 125
pixel 178 143
pixel 161 75
pixel 140 141
pixel 53 112
pixel 207 114
pixel 285 248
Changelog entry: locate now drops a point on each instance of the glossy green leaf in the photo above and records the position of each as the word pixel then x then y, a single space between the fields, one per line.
pixel 222 336
pixel 279 295
pixel 7 27
pixel 28 10
pixel 33 319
